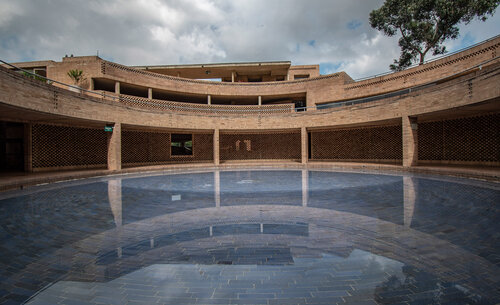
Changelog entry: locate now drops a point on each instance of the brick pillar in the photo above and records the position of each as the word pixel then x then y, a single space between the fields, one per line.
pixel 303 137
pixel 117 87
pixel 209 99
pixel 410 141
pixel 150 93
pixel 259 101
pixel 216 147
pixel 115 148
pixel 28 148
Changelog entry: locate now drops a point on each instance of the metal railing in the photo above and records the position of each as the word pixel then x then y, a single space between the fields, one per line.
pixel 259 109
pixel 430 60
pixel 372 98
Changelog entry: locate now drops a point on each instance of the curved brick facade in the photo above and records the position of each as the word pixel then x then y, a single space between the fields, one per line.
pixel 449 106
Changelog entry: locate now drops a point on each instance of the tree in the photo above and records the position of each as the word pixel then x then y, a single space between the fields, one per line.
pixel 425 24
pixel 76 75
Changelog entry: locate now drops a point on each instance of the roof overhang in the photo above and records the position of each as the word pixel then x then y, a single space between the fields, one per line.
pixel 221 70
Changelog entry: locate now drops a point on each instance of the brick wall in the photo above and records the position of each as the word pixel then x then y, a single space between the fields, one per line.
pixel 153 147
pixel 260 146
pixel 68 147
pixel 469 139
pixel 382 143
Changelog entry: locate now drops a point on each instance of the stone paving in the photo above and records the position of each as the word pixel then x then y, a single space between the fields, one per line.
pixel 253 237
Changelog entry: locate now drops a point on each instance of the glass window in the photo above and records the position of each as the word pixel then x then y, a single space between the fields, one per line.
pixel 181 144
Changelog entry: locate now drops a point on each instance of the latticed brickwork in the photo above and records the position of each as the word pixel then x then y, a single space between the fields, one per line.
pixel 203 146
pixel 467 139
pixel 204 108
pixel 62 146
pixel 152 147
pixel 145 147
pixel 260 146
pixel 374 143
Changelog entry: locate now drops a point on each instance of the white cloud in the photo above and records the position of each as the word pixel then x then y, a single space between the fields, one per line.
pixel 141 32
pixel 9 11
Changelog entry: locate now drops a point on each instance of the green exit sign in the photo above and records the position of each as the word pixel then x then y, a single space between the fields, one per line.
pixel 108 128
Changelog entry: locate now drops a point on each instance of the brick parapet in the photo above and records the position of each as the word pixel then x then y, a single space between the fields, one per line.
pixel 47 100
pixel 328 88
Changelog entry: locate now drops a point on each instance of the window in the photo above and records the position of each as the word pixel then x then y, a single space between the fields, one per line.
pixel 181 144
pixel 300 105
pixel 254 79
pixel 301 76
pixel 41 72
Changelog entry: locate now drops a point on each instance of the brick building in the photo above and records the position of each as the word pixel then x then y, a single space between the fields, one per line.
pixel 445 112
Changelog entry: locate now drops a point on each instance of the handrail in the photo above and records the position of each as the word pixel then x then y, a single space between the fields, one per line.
pixel 122 97
pixel 372 98
pixel 430 60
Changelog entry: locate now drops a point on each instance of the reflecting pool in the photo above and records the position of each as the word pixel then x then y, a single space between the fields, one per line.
pixel 252 237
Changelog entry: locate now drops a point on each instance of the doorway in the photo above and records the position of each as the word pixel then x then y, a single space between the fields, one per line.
pixel 11 146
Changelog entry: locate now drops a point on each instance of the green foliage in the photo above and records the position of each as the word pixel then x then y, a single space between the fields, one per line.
pixel 33 76
pixel 76 75
pixel 425 24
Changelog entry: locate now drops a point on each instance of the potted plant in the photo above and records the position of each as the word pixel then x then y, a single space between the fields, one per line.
pixel 77 78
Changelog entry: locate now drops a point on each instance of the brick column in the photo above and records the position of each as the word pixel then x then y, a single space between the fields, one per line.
pixel 28 148
pixel 259 101
pixel 150 93
pixel 209 99
pixel 410 141
pixel 216 147
pixel 115 148
pixel 117 87
pixel 304 146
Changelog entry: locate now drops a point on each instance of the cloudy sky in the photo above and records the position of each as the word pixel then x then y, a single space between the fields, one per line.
pixel 333 33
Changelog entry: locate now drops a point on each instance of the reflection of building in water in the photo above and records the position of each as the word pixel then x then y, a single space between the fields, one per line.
pixel 217 188
pixel 115 199
pixel 305 186
pixel 410 195
pixel 115 202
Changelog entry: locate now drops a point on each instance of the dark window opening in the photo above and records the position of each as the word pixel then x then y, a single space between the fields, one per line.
pixel 11 146
pixel 104 85
pixel 254 79
pixel 181 144
pixel 280 78
pixel 134 90
pixel 301 76
pixel 300 105
pixel 41 72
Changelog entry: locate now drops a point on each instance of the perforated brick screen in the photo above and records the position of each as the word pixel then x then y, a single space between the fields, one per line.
pixel 374 143
pixel 62 146
pixel 465 139
pixel 153 147
pixel 260 146
pixel 204 109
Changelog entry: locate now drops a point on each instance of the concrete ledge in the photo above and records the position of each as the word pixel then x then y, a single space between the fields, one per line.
pixel 17 181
